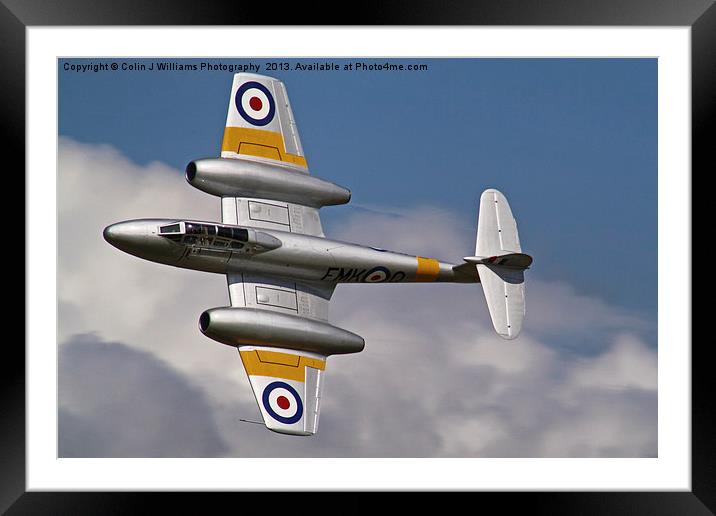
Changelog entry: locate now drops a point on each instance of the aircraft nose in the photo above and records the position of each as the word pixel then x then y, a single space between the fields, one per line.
pixel 125 235
pixel 111 233
pixel 116 233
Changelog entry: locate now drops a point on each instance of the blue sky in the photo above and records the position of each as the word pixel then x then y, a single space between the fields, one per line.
pixel 571 142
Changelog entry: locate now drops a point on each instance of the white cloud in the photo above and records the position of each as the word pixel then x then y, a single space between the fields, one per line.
pixel 434 379
pixel 629 363
pixel 120 297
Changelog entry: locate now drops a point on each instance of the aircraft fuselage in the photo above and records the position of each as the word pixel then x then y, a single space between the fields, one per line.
pixel 225 249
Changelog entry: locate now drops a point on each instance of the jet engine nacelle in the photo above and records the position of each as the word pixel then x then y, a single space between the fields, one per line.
pixel 250 326
pixel 245 178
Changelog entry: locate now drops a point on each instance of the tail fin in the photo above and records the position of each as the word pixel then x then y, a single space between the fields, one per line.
pixel 501 264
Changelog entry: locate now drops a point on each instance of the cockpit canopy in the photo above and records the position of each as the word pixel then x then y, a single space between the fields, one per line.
pixel 206 235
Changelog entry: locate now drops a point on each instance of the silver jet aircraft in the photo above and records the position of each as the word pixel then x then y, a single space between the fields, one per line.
pixel 281 269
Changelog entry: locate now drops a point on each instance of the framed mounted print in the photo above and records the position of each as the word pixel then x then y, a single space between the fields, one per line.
pixel 579 129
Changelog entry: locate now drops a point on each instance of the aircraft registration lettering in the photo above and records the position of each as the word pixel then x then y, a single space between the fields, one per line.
pixel 351 275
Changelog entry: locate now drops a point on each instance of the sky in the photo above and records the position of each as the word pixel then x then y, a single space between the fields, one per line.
pixel 571 142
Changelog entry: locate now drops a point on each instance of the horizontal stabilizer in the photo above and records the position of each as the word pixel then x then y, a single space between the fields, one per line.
pixel 505 295
pixel 496 227
pixel 500 263
pixel 513 260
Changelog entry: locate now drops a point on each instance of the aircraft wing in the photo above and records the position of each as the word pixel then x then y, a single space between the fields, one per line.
pixel 280 295
pixel 260 127
pixel 270 214
pixel 260 122
pixel 287 383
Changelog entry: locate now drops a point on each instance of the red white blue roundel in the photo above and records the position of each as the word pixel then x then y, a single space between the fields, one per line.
pixel 376 275
pixel 255 103
pixel 282 402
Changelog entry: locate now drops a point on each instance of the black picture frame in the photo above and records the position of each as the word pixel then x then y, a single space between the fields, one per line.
pixel 700 15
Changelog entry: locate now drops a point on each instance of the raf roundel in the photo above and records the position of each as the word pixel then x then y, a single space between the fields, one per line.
pixel 255 103
pixel 282 402
pixel 376 275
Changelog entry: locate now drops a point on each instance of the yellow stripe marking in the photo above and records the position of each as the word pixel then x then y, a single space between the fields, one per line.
pixel 257 142
pixel 428 269
pixel 259 150
pixel 279 358
pixel 279 365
